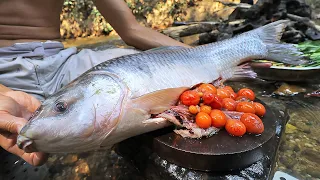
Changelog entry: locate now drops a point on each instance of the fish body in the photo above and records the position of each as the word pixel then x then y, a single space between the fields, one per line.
pixel 116 99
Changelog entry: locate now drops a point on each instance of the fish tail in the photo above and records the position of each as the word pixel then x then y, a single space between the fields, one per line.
pixel 270 35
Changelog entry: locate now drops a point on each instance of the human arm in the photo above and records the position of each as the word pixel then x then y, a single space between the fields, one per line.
pixel 15 109
pixel 120 17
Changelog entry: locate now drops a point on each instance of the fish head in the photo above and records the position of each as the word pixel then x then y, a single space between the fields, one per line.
pixel 77 118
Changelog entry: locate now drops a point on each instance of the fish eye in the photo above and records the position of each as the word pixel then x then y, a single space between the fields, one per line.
pixel 61 107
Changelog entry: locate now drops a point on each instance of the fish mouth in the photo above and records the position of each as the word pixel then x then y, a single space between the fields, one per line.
pixel 26 144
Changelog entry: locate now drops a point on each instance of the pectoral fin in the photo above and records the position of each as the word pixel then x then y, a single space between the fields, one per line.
pixel 159 101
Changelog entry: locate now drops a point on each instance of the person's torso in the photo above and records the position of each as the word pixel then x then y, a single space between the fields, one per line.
pixel 29 20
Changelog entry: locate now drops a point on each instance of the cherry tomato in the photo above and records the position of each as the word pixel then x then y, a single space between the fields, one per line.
pixel 223 93
pixel 253 123
pixel 229 104
pixel 208 97
pixel 207 88
pixel 246 107
pixel 203 120
pixel 242 98
pixel 247 93
pixel 233 95
pixel 216 102
pixel 200 94
pixel 190 97
pixel 219 119
pixel 206 109
pixel 193 109
pixel 235 127
pixel 229 88
pixel 260 109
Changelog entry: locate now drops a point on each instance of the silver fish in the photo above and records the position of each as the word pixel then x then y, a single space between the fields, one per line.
pixel 115 100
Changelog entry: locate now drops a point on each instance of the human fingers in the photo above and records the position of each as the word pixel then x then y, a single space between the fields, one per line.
pixel 35 158
pixel 260 65
pixel 11 123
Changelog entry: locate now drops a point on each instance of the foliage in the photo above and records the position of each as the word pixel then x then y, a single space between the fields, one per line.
pixel 81 18
pixel 312 50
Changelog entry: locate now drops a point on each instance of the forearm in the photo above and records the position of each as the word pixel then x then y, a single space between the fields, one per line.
pixel 145 38
pixel 118 14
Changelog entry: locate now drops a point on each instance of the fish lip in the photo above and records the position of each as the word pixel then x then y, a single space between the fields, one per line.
pixel 26 144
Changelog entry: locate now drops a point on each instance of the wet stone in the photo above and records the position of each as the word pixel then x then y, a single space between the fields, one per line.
pixel 69 159
pixel 312 155
pixel 82 168
pixel 307 130
pixel 288 162
pixel 290 129
pixel 296 148
pixel 288 146
pixel 308 145
pixel 313 171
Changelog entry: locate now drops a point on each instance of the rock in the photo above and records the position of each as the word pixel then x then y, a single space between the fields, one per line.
pixel 311 155
pixel 82 167
pixel 308 145
pixel 290 129
pixel 313 35
pixel 296 148
pixel 313 171
pixel 69 159
pixel 187 30
pixel 307 130
pixel 289 90
pixel 304 127
pixel 298 7
pixel 191 40
pixel 210 37
pixel 288 162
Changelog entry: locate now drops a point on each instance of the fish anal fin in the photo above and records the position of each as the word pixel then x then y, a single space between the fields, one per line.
pixel 159 101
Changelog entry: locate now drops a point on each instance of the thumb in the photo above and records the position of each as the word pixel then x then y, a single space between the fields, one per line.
pixel 11 123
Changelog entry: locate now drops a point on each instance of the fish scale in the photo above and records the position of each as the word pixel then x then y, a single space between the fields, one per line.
pixel 183 67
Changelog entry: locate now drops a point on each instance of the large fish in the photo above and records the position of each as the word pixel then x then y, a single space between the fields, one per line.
pixel 116 99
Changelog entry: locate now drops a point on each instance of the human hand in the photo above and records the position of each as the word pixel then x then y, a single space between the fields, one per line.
pixel 260 65
pixel 15 109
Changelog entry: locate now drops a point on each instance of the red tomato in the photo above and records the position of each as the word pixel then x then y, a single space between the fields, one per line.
pixel 228 88
pixel 219 119
pixel 216 103
pixel 253 123
pixel 229 104
pixel 208 97
pixel 260 109
pixel 247 93
pixel 233 95
pixel 235 127
pixel 242 98
pixel 223 93
pixel 190 97
pixel 203 120
pixel 207 88
pixel 246 107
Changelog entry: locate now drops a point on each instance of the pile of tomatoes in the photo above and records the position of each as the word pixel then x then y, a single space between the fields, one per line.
pixel 209 103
